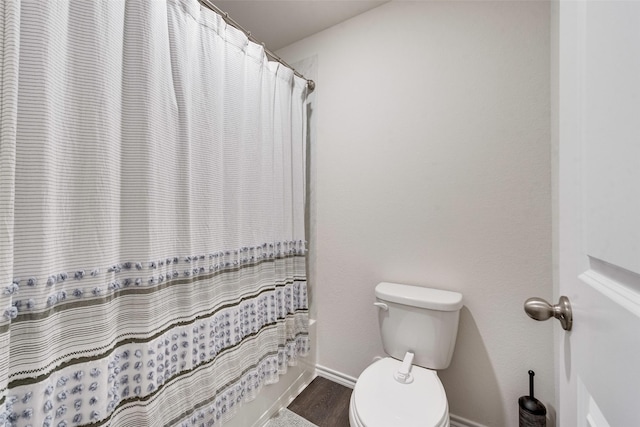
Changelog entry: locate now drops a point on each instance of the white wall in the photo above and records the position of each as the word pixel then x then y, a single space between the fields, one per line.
pixel 433 168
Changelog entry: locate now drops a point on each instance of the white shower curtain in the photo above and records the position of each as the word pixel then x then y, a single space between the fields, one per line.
pixel 152 253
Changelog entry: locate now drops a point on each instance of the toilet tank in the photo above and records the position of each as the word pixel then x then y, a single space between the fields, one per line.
pixel 418 319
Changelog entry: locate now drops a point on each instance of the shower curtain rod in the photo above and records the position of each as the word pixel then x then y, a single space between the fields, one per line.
pixel 311 85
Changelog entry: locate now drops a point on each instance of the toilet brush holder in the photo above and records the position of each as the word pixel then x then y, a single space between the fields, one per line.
pixel 532 412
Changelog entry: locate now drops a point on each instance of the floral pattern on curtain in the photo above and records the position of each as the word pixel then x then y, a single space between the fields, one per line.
pixel 152 248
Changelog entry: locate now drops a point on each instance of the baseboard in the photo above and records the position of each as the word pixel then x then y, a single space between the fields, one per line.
pixel 335 376
pixel 457 421
pixel 349 381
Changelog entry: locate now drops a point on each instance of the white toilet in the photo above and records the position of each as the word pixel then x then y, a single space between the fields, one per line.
pixel 418 327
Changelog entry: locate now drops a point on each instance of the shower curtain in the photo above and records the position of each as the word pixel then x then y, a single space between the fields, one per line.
pixel 152 253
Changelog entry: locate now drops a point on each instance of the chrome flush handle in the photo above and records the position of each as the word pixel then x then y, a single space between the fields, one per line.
pixel 539 309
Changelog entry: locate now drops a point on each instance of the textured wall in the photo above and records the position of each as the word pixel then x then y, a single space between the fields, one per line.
pixel 433 168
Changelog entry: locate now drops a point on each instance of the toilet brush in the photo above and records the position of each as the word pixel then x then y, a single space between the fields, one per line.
pixel 532 411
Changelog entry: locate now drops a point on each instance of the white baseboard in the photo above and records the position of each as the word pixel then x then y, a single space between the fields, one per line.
pixel 349 381
pixel 457 421
pixel 335 376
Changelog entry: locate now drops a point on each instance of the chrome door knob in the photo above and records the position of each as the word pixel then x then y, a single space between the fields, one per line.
pixel 539 309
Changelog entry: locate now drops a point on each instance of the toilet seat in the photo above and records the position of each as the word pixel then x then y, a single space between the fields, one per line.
pixel 379 400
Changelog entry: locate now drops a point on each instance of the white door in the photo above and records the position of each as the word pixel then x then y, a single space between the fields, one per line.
pixel 598 362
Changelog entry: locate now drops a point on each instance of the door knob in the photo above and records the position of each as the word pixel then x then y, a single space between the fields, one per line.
pixel 539 309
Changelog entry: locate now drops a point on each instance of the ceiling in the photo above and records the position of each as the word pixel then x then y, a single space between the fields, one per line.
pixel 280 23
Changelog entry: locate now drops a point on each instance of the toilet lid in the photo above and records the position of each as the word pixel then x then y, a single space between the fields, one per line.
pixel 382 401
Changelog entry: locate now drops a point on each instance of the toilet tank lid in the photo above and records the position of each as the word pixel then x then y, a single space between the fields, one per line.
pixel 418 296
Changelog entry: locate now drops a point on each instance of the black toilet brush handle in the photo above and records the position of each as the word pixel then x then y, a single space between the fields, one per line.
pixel 531 374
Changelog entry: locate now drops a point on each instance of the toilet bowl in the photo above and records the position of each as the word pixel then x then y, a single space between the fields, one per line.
pixel 379 400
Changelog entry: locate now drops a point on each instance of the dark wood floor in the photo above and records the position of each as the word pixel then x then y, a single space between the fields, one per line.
pixel 324 403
